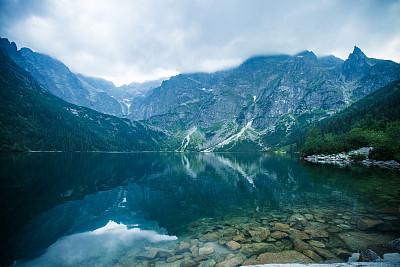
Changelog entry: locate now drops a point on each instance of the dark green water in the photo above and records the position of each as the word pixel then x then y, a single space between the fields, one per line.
pixel 52 204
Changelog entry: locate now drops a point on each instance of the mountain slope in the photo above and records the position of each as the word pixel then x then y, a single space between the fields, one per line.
pixel 272 97
pixel 372 121
pixel 33 119
pixel 57 79
pixel 128 95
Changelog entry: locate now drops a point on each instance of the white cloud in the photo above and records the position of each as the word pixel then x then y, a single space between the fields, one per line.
pixel 140 40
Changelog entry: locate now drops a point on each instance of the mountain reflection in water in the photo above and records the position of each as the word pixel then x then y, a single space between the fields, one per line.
pixel 48 197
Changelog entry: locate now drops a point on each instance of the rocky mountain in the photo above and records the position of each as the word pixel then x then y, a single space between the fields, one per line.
pixel 129 95
pixel 57 79
pixel 264 103
pixel 95 93
pixel 259 104
pixel 33 119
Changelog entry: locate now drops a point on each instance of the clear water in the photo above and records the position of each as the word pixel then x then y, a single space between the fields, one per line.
pixel 136 209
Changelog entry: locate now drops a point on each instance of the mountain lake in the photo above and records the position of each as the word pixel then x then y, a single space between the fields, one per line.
pixel 190 209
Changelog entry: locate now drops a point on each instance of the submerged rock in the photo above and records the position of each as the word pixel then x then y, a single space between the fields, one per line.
pixel 209 237
pixel 258 248
pixel 296 234
pixel 290 256
pixel 317 233
pixel 174 258
pixel 301 245
pixel 282 227
pixel 312 255
pixel 208 263
pixel 232 260
pixel 316 243
pixel 366 224
pixel 183 247
pixel 360 241
pixel 206 251
pixel 279 235
pixel 188 263
pixel 233 245
pixel 259 235
pixel 369 256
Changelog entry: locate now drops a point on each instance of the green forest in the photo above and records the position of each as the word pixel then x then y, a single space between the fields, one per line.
pixel 32 119
pixel 374 121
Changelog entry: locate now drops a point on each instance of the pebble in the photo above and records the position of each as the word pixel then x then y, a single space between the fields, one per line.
pixel 233 245
pixel 318 235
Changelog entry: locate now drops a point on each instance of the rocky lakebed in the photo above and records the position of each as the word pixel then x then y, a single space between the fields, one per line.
pixel 296 235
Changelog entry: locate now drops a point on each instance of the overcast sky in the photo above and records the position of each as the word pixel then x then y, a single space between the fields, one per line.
pixel 125 40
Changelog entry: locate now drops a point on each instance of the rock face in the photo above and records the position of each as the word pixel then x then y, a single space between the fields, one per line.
pixel 270 96
pixel 95 93
pixel 260 104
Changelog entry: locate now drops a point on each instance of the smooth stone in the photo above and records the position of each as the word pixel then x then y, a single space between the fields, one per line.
pixel 325 253
pixel 296 234
pixel 360 240
pixel 209 237
pixel 232 261
pixel 297 219
pixel 148 255
pixel 174 258
pixel 309 217
pixel 259 236
pixel 365 224
pixel 338 221
pixel 279 235
pixel 312 255
pixel 239 238
pixel 301 245
pixel 317 233
pixel 223 241
pixel 258 248
pixel 208 263
pixel 183 247
pixel 206 251
pixel 195 251
pixel 333 229
pixel 188 263
pixel 289 256
pixel 344 226
pixel 258 228
pixel 233 245
pixel 316 243
pixel 163 253
pixel 282 227
pixel 201 258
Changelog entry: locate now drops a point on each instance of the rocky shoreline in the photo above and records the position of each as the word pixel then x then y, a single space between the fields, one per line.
pixel 303 236
pixel 345 159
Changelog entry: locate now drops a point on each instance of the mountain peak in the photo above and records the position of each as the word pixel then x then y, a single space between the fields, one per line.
pixel 356 64
pixel 306 53
pixel 7 47
pixel 357 54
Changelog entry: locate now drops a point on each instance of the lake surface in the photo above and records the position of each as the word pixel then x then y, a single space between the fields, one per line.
pixel 168 209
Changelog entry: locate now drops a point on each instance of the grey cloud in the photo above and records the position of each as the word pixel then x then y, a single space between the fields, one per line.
pixel 137 40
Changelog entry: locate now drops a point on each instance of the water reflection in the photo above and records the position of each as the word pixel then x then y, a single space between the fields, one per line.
pixel 46 196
